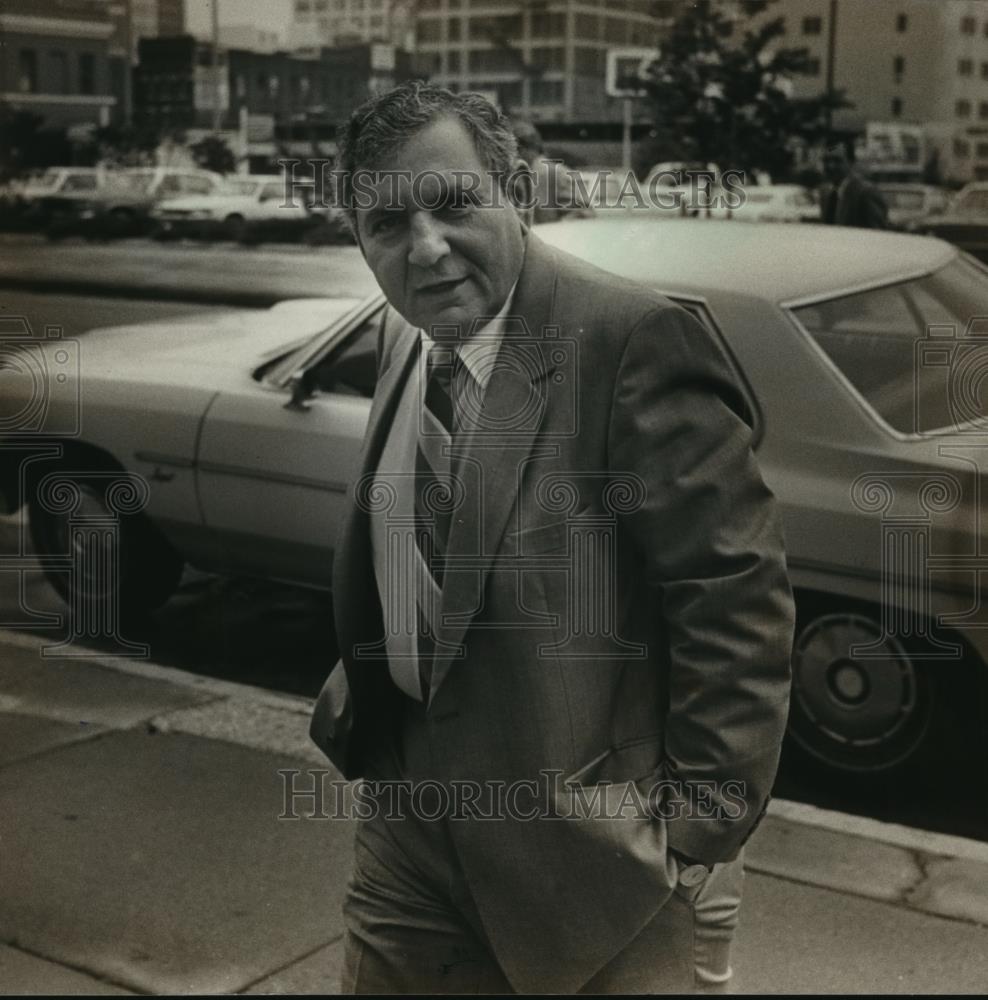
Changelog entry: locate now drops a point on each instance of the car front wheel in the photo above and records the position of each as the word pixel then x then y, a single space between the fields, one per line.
pixel 128 566
pixel 860 702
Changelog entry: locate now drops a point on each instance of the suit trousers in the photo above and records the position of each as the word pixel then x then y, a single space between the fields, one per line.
pixel 412 926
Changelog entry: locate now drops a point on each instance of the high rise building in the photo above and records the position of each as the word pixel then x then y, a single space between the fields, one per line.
pixel 56 60
pixel 542 60
pixel 319 23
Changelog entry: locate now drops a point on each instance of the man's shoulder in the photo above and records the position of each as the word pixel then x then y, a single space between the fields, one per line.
pixel 588 291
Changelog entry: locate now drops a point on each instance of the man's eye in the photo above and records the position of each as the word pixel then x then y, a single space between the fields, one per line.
pixel 385 224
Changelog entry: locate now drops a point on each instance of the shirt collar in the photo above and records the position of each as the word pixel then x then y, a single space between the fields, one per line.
pixel 475 353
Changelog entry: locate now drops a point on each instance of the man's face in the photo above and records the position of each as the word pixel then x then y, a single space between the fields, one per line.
pixel 441 253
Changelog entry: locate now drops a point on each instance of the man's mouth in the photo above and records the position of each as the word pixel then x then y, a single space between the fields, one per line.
pixel 441 287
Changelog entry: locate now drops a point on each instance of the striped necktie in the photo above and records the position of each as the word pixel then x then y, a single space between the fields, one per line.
pixel 434 494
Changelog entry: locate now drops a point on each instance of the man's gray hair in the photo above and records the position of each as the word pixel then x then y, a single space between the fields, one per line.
pixel 383 124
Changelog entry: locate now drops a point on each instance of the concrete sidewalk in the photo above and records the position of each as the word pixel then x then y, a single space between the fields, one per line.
pixel 141 850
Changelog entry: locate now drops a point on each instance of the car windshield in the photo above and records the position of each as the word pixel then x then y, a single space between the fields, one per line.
pixel 905 199
pixel 48 179
pixel 916 351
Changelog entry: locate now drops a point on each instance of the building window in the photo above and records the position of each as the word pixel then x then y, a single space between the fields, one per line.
pixel 812 67
pixel 548 25
pixel 547 92
pixel 615 30
pixel 967 25
pixel 453 61
pixel 812 25
pixel 901 23
pixel 61 82
pixel 27 71
pixel 454 29
pixel 965 67
pixel 896 107
pixel 552 58
pixel 984 71
pixel 587 27
pixel 983 110
pixel 963 109
pixel 982 150
pixel 962 149
pixel 492 61
pixel 87 73
pixel 428 31
pixel 899 65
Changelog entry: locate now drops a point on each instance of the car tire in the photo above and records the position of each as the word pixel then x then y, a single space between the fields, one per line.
pixel 149 568
pixel 121 222
pixel 235 228
pixel 856 714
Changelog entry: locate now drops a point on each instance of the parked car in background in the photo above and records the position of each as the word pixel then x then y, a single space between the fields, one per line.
pixel 57 193
pixel 682 187
pixel 122 207
pixel 909 204
pixel 247 430
pixel 773 203
pixel 965 222
pixel 247 209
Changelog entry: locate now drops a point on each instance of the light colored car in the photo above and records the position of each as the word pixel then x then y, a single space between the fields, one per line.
pixel 773 203
pixel 248 432
pixel 246 206
pixel 123 205
pixel 965 222
pixel 909 204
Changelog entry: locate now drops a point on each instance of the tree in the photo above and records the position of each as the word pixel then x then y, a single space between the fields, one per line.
pixel 212 153
pixel 28 145
pixel 721 91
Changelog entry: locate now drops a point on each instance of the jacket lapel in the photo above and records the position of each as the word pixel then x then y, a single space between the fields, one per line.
pixel 353 563
pixel 493 455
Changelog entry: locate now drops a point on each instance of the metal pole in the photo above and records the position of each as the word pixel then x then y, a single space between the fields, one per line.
pixel 831 53
pixel 217 72
pixel 626 136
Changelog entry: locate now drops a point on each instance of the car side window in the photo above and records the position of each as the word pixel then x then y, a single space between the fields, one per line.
pixel 351 368
pixel 272 192
pixel 191 184
pixel 170 184
pixel 79 183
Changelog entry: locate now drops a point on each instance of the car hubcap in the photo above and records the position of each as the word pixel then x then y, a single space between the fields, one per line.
pixel 859 712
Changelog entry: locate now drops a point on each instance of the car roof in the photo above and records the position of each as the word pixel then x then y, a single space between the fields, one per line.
pixel 766 260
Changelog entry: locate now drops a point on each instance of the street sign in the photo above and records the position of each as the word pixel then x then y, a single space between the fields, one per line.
pixel 626 69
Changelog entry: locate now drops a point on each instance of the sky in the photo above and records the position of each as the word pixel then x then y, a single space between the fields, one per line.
pixel 266 14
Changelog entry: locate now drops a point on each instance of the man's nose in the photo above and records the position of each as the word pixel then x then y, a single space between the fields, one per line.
pixel 428 243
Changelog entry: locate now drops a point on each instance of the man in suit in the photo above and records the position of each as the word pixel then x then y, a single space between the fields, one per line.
pixel 560 597
pixel 849 200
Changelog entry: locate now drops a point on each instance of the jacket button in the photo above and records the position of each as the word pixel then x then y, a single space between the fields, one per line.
pixel 693 875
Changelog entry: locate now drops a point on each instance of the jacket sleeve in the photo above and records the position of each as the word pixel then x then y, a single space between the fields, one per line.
pixel 711 542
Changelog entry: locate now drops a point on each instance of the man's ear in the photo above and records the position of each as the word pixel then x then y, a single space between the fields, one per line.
pixel 521 192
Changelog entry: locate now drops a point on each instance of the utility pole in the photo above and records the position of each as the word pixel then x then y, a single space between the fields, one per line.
pixel 217 69
pixel 831 54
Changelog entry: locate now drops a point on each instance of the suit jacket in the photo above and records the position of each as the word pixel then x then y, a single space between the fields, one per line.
pixel 856 203
pixel 645 636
